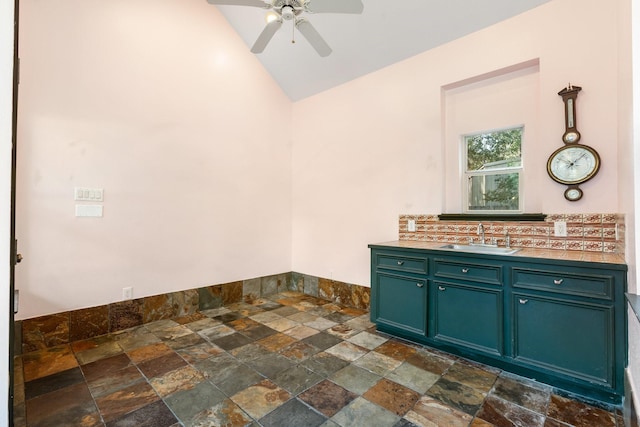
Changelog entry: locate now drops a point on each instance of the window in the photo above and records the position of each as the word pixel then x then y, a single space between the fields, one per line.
pixel 493 170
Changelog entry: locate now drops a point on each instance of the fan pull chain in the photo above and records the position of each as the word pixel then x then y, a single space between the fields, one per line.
pixel 293 31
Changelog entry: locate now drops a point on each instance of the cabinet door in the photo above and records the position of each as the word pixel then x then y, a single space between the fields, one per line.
pixel 468 316
pixel 571 338
pixel 401 302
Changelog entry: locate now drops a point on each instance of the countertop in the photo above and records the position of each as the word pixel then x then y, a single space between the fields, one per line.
pixel 593 257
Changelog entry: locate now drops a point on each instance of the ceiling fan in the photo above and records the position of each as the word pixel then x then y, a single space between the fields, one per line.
pixel 290 10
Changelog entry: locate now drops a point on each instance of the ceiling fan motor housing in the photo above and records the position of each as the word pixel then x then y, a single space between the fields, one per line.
pixel 288 9
pixel 287 13
pixel 277 4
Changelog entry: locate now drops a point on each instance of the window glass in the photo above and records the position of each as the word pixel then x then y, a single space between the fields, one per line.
pixel 493 167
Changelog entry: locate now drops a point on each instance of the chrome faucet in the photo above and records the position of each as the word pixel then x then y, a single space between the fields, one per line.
pixel 481 233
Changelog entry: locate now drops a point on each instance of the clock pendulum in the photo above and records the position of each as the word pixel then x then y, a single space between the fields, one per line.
pixel 574 163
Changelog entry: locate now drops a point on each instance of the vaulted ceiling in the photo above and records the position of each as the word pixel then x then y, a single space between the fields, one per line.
pixel 386 32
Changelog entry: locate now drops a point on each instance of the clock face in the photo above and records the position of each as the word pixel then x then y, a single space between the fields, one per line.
pixel 573 164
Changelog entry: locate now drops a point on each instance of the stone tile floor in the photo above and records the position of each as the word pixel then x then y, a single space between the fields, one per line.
pixel 286 360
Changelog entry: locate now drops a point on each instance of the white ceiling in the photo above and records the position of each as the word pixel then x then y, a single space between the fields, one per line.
pixel 387 32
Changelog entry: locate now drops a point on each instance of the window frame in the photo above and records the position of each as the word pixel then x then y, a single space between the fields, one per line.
pixel 468 175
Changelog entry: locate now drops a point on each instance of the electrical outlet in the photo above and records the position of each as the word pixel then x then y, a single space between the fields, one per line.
pixel 560 229
pixel 127 293
pixel 411 225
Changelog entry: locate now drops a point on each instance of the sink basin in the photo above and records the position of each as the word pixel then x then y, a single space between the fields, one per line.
pixel 480 249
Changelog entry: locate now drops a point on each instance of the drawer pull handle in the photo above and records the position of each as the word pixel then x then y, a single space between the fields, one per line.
pixel 523 301
pixel 465 270
pixel 558 281
pixel 442 288
pixel 420 285
pixel 400 262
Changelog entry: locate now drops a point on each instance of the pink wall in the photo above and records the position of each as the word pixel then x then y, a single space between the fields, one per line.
pixel 377 150
pixel 163 106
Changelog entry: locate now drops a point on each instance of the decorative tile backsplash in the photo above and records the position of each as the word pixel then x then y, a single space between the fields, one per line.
pixel 597 232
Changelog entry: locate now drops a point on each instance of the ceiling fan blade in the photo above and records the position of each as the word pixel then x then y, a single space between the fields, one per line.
pixel 335 6
pixel 313 37
pixel 266 35
pixel 256 3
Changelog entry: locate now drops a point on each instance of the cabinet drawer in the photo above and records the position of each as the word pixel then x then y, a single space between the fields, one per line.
pixel 563 282
pixel 483 273
pixel 402 263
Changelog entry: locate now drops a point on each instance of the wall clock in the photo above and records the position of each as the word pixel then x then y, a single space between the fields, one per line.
pixel 574 163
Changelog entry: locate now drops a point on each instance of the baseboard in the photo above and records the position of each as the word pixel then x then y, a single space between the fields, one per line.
pixel 62 328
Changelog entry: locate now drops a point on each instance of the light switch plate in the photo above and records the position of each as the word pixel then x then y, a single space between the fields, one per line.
pixel 411 225
pixel 89 210
pixel 88 194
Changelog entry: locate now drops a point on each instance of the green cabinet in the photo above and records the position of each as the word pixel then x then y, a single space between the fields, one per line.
pixel 405 303
pixel 571 338
pixel 466 304
pixel 401 286
pixel 468 316
pixel 572 311
pixel 557 321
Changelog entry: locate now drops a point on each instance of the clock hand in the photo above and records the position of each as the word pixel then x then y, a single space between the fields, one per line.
pixel 569 163
pixel 583 154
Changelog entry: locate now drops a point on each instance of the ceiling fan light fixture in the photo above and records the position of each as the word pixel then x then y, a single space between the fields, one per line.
pixel 271 16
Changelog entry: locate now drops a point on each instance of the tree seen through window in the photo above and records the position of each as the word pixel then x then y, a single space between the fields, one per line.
pixel 493 166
